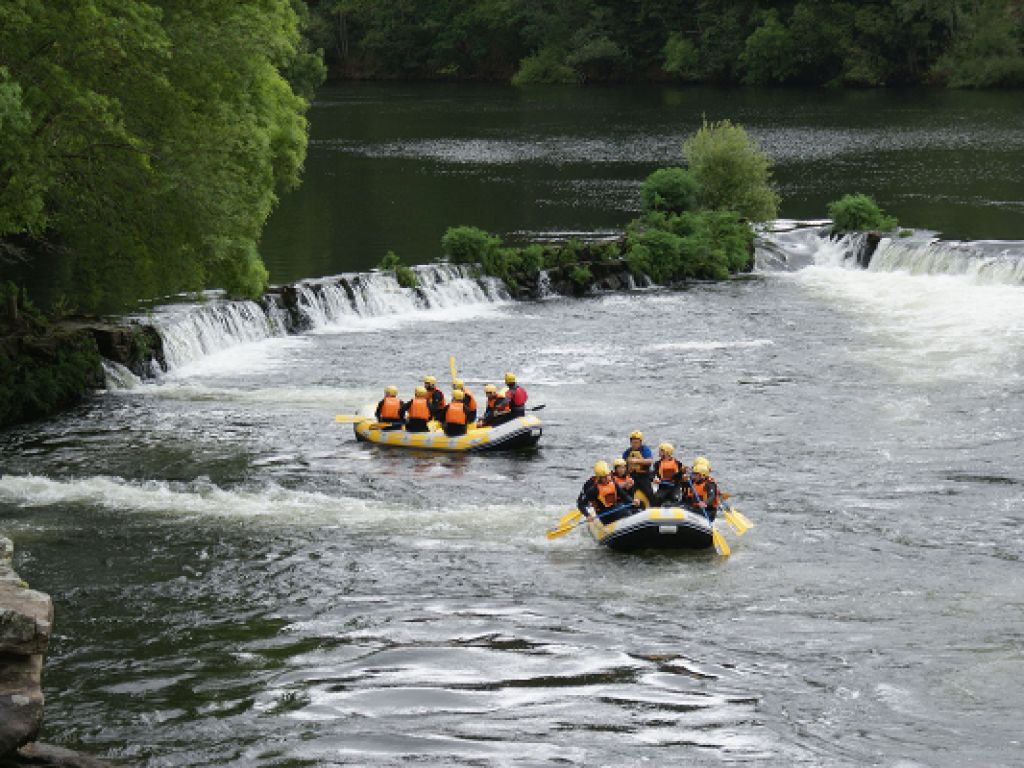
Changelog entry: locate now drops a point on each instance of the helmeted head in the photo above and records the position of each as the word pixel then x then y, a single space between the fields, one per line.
pixel 490 389
pixel 459 384
pixel 458 394
pixel 667 449
pixel 601 469
pixel 619 463
pixel 421 391
pixel 429 381
pixel 510 378
pixel 391 389
pixel 701 466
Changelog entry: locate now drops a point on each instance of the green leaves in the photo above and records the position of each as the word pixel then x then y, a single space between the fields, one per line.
pixel 150 138
pixel 733 173
pixel 858 213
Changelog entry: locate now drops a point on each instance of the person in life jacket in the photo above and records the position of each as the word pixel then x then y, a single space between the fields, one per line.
pixel 454 416
pixel 603 494
pixel 417 412
pixel 391 410
pixel 639 459
pixel 669 474
pixel 708 498
pixel 620 475
pixel 435 396
pixel 493 399
pixel 469 401
pixel 513 403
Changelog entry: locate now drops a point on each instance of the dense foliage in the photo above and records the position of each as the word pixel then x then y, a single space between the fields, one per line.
pixel 858 213
pixel 968 43
pixel 149 139
pixel 404 274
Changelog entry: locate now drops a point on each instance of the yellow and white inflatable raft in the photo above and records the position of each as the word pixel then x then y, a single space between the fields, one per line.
pixel 518 433
pixel 658 528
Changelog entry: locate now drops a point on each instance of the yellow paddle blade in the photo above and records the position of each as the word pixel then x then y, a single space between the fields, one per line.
pixel 741 518
pixel 451 367
pixel 721 545
pixel 741 526
pixel 344 418
pixel 572 516
pixel 561 530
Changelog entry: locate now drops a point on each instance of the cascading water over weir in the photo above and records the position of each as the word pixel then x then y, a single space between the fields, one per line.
pixel 191 331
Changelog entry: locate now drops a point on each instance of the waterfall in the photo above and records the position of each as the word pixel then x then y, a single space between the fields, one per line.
pixel 983 262
pixel 192 331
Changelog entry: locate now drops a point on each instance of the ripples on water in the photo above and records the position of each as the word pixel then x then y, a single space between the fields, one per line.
pixel 239 583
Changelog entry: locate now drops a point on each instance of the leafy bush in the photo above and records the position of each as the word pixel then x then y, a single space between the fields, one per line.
pixel 468 245
pixel 669 189
pixel 581 275
pixel 405 275
pixel 733 172
pixel 704 244
pixel 545 67
pixel 857 213
pixel 532 258
pixel 681 57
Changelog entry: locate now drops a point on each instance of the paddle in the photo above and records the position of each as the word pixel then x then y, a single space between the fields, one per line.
pixel 565 528
pixel 721 545
pixel 736 519
pixel 343 418
pixel 451 367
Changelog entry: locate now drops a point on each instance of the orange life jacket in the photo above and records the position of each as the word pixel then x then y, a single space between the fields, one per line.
pixel 668 469
pixel 390 408
pixel 469 400
pixel 623 482
pixel 419 408
pixel 701 484
pixel 607 492
pixel 456 413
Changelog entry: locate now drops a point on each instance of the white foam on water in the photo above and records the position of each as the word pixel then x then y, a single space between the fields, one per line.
pixel 936 327
pixel 273 503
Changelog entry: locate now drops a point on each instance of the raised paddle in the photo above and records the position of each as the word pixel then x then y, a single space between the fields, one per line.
pixel 721 545
pixel 451 367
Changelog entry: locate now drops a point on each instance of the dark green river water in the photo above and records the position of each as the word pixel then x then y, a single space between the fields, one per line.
pixel 238 582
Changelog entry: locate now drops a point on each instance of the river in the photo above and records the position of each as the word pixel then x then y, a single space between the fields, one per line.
pixel 239 583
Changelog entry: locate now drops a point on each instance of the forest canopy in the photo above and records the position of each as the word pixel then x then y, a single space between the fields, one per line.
pixel 961 43
pixel 146 141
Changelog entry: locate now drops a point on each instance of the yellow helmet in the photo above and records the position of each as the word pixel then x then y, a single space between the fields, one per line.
pixel 702 466
pixel 421 391
pixel 431 380
pixel 458 384
pixel 390 389
pixel 637 435
pixel 510 378
pixel 619 462
pixel 458 394
pixel 490 389
pixel 601 469
pixel 667 448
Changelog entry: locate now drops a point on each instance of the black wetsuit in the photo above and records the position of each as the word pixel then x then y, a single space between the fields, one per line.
pixel 589 496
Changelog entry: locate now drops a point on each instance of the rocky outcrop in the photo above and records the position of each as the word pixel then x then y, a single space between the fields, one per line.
pixel 26 618
pixel 26 622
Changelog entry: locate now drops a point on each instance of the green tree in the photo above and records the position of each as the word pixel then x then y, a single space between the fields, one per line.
pixel 149 139
pixel 732 171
